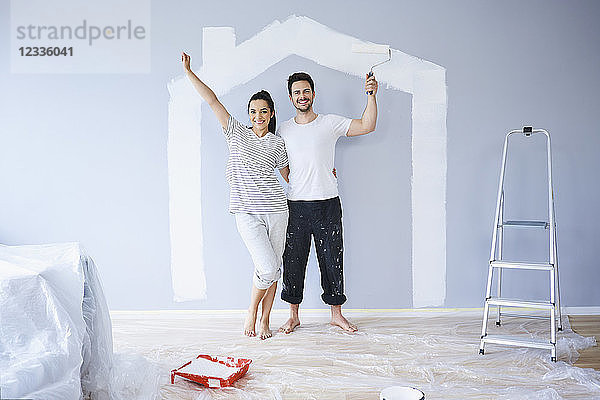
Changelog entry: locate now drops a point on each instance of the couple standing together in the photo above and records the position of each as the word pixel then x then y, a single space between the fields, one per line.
pixel 272 226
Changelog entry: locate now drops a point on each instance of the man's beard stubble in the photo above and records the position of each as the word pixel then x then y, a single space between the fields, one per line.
pixel 308 108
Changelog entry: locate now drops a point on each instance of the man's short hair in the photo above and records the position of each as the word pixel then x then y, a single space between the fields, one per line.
pixel 299 76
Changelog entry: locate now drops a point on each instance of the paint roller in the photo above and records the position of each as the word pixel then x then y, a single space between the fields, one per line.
pixel 372 49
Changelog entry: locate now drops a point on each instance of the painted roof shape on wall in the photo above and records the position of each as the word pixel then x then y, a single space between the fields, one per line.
pixel 302 36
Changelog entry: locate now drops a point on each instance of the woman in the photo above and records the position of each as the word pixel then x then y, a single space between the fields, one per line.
pixel 256 198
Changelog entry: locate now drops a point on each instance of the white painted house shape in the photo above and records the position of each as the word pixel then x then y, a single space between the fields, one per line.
pixel 302 36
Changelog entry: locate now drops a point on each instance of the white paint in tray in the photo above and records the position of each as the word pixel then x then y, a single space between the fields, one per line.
pixel 203 367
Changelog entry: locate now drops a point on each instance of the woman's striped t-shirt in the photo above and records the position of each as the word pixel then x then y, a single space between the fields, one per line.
pixel 250 172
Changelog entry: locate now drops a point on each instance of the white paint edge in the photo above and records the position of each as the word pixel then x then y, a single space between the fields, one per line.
pixel 428 182
pixel 185 193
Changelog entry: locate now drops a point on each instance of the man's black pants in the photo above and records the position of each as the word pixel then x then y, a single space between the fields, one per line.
pixel 321 219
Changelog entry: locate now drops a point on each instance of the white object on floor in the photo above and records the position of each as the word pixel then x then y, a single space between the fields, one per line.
pixel 401 393
pixel 55 330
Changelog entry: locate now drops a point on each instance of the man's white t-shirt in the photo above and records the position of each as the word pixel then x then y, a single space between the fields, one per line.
pixel 311 152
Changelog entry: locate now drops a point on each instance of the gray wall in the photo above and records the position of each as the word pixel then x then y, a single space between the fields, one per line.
pixel 83 157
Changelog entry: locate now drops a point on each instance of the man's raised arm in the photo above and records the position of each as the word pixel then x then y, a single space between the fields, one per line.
pixel 366 124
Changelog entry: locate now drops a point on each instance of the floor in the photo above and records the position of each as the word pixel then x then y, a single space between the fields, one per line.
pixel 587 325
pixel 435 352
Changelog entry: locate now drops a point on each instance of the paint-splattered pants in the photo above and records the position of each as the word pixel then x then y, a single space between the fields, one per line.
pixel 321 219
pixel 264 236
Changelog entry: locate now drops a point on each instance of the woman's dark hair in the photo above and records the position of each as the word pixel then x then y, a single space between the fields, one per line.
pixel 264 95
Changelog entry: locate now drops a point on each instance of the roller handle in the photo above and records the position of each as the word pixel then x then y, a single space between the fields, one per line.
pixel 370 74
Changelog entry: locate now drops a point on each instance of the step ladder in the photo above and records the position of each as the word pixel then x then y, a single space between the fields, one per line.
pixel 497 264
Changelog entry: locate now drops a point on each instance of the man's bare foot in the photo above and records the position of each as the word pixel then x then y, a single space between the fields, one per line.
pixel 290 325
pixel 249 325
pixel 342 322
pixel 264 332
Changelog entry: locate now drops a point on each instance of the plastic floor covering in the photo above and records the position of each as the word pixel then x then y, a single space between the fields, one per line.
pixel 435 352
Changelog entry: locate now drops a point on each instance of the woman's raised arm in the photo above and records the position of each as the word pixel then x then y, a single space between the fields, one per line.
pixel 207 94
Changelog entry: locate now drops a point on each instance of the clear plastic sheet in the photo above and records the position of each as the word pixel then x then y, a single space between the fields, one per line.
pixel 55 343
pixel 55 330
pixel 435 352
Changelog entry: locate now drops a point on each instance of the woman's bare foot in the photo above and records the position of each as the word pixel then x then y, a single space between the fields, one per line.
pixel 342 322
pixel 264 332
pixel 249 324
pixel 290 325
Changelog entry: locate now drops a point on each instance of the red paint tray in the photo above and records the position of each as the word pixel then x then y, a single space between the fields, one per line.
pixel 240 364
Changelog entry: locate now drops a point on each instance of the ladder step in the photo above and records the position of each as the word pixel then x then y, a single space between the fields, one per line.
pixel 532 224
pixel 499 301
pixel 518 341
pixel 522 265
pixel 524 316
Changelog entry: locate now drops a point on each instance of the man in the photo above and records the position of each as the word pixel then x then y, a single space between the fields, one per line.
pixel 313 201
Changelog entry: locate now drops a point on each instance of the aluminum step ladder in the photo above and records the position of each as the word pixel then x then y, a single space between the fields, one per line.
pixel 497 264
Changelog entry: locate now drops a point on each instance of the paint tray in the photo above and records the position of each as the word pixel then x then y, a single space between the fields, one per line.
pixel 213 372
